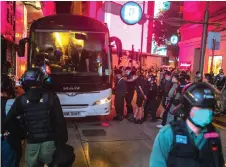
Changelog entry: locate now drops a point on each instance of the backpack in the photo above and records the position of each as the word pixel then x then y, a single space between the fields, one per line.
pixel 64 156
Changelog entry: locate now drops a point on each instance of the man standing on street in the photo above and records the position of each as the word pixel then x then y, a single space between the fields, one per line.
pixel 120 93
pixel 151 100
pixel 192 141
pixel 165 87
pixel 42 117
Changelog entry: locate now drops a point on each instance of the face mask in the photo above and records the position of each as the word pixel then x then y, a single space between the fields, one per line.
pixel 167 78
pixel 127 72
pixel 222 75
pixel 174 80
pixel 202 117
pixel 98 60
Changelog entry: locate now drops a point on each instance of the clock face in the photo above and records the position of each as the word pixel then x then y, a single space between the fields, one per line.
pixel 131 13
pixel 174 39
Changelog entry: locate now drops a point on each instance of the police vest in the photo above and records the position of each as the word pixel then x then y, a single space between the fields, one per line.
pixel 185 154
pixel 36 119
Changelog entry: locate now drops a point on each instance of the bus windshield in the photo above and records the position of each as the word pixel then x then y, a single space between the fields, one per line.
pixel 70 52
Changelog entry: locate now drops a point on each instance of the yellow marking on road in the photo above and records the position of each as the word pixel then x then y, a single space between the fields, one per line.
pixel 219 126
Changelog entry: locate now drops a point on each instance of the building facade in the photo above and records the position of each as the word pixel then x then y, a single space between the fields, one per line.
pixel 16 18
pixel 191 35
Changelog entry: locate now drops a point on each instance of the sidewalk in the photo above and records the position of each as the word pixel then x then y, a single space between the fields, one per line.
pixel 221 120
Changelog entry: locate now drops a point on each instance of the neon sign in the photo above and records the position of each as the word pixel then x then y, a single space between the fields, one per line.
pixel 131 13
pixel 185 65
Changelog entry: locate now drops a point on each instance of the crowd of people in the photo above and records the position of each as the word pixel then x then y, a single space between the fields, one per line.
pixel 154 87
pixel 187 136
pixel 36 116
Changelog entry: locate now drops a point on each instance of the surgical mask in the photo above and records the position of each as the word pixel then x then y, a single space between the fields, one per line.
pixel 222 75
pixel 174 80
pixel 202 117
pixel 167 78
pixel 198 75
pixel 98 60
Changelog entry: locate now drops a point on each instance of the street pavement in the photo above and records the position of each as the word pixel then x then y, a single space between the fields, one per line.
pixel 114 144
pixel 101 142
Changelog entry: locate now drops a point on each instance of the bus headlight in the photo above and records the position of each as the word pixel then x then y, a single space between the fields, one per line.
pixel 102 101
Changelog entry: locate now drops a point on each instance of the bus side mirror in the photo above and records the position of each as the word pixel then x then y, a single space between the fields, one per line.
pixel 21 50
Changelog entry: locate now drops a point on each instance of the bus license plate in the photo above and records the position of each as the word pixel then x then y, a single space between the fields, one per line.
pixel 75 113
pixel 71 113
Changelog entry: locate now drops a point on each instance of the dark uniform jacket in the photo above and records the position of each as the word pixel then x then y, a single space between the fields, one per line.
pixel 33 118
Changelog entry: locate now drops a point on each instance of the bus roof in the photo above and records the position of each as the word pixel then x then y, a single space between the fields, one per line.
pixel 69 22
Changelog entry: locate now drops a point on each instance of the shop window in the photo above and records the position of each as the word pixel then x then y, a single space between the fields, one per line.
pixel 217 64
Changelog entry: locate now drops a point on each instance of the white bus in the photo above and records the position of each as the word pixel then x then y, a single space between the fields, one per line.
pixel 75 53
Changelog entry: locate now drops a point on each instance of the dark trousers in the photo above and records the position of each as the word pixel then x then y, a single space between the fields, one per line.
pixel 119 105
pixel 164 117
pixel 150 105
pixel 10 157
pixel 164 102
pixel 129 98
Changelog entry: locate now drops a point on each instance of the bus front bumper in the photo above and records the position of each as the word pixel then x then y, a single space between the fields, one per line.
pixel 84 111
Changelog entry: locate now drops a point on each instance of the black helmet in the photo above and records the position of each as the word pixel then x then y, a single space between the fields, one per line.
pixel 200 95
pixel 33 77
pixel 195 94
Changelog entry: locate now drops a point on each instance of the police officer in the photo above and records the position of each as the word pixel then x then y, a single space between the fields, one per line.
pixel 192 141
pixel 208 78
pixel 42 119
pixel 130 90
pixel 151 99
pixel 198 76
pixel 220 80
pixel 120 92
pixel 131 77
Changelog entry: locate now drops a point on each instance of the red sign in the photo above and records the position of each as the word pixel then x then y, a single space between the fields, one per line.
pixel 185 65
pixel 8 20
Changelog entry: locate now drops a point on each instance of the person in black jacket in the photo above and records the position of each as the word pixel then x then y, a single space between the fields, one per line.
pixel 150 104
pixel 11 150
pixel 165 86
pixel 130 90
pixel 141 90
pixel 120 93
pixel 42 119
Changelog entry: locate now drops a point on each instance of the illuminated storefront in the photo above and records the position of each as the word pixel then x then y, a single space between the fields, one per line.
pixel 8 46
pixel 159 50
pixel 191 36
pixel 217 64
pixel 21 32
